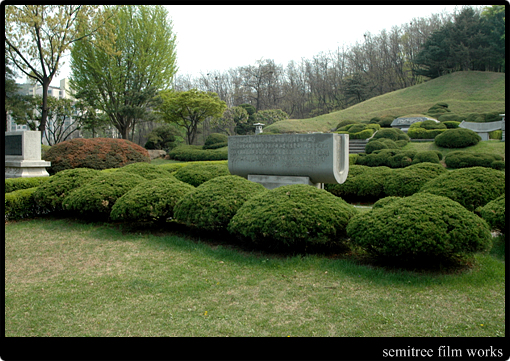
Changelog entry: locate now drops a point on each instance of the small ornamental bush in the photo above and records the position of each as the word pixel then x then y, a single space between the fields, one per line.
pixel 369 185
pixel 345 122
pixel 216 140
pixel 293 216
pixel 407 181
pixel 14 184
pixel 150 201
pixel 494 213
pixel 364 134
pixel 52 193
pixel 95 199
pixel 381 143
pixel 462 159
pixel 393 158
pixel 422 227
pixel 451 117
pixel 430 131
pixel 391 133
pixel 472 187
pixel 457 138
pixel 196 174
pixel 146 170
pixel 347 190
pixel 193 153
pixel 430 124
pixel 21 204
pixel 450 124
pixel 429 156
pixel 212 205
pixel 385 201
pixel 95 153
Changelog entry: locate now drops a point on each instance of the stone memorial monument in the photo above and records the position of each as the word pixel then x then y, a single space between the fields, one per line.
pixel 23 155
pixel 483 129
pixel 283 159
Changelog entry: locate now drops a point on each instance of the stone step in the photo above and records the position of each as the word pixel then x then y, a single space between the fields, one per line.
pixel 357 146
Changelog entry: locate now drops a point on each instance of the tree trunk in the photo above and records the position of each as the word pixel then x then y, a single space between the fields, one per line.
pixel 44 110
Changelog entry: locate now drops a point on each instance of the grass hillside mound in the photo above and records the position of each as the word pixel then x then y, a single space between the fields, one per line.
pixel 464 92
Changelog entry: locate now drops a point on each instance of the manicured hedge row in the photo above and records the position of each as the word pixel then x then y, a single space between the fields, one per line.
pixel 190 153
pixel 372 183
pixel 14 184
pixel 21 204
pixel 51 194
pixel 95 199
pixel 422 226
pixel 468 159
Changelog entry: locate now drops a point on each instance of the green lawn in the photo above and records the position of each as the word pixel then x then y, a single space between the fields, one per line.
pixel 65 277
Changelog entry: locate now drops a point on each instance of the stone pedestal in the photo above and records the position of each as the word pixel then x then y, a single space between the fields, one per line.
pixel 23 155
pixel 272 182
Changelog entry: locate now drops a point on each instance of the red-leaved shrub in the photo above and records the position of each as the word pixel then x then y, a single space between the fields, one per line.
pixel 95 153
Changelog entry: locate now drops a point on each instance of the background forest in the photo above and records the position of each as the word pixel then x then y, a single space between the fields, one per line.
pixel 406 55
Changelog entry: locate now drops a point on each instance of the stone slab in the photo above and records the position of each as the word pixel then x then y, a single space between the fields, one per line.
pixel 322 157
pixel 482 127
pixel 25 145
pixel 23 155
pixel 272 182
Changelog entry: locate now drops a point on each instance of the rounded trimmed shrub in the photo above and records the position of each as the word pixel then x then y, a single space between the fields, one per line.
pixel 15 184
pixel 193 153
pixel 196 174
pixel 494 213
pixel 457 138
pixel 21 204
pixel 345 122
pixel 391 133
pixel 95 153
pixel 347 189
pixel 369 185
pixel 429 156
pixel 431 124
pixel 150 201
pixel 51 194
pixel 420 227
pixel 451 124
pixel 216 140
pixel 385 201
pixel 293 216
pixel 394 158
pixel 472 187
pixel 95 199
pixel 146 170
pixel 375 145
pixel 462 159
pixel 407 181
pixel 212 205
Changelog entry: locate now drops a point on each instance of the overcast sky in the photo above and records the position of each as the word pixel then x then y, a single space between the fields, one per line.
pixel 219 37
